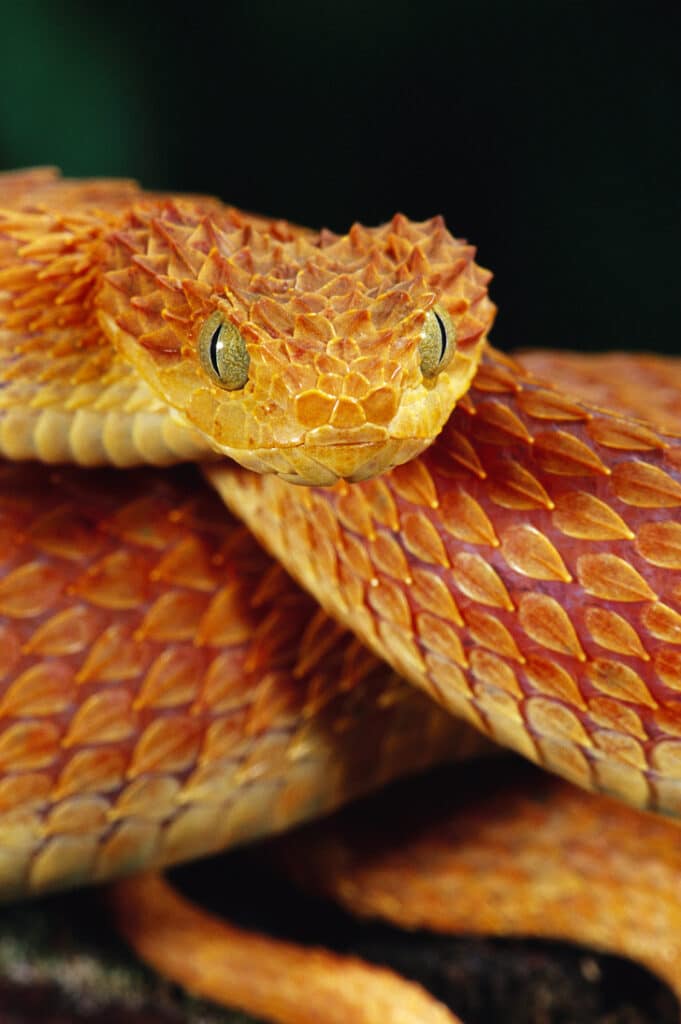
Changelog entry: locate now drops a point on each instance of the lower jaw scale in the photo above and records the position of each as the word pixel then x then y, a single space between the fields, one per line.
pixel 325 465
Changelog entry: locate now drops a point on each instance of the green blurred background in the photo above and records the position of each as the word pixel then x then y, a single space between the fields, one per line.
pixel 546 132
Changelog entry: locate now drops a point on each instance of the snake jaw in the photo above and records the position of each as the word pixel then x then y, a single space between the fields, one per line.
pixel 310 464
pixel 310 452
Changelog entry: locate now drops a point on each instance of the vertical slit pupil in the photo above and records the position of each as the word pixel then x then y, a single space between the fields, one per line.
pixel 443 336
pixel 213 349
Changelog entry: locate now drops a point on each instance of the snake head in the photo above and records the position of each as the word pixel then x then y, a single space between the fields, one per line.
pixel 312 355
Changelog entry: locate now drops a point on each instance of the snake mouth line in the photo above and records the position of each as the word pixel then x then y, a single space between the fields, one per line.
pixel 326 464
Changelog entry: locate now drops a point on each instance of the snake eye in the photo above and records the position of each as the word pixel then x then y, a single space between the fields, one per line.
pixel 223 353
pixel 438 341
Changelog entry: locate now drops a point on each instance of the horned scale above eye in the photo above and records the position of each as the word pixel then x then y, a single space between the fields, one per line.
pixel 223 353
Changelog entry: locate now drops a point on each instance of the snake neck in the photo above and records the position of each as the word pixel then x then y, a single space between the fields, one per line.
pixel 524 571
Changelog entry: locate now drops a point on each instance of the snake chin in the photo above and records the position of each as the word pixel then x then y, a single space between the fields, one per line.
pixel 316 465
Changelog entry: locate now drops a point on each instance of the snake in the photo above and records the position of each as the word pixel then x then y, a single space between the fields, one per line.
pixel 492 543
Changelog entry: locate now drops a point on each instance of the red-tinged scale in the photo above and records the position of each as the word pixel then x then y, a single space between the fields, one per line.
pixel 559 551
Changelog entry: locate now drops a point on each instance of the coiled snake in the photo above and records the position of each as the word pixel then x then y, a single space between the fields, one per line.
pixel 166 690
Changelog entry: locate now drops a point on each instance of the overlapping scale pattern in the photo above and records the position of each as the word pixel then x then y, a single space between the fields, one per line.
pixel 525 571
pixel 65 393
pixel 332 324
pixel 165 690
pixel 105 289
pixel 518 853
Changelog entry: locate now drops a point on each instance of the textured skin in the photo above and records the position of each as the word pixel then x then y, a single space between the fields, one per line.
pixel 642 385
pixel 524 572
pixel 163 692
pixel 106 289
pixel 272 979
pixel 521 854
pixel 165 689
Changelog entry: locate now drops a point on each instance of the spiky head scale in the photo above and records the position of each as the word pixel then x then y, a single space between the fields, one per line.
pixel 102 280
pixel 332 326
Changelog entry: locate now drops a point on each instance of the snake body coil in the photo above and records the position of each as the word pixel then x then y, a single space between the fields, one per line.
pixel 523 571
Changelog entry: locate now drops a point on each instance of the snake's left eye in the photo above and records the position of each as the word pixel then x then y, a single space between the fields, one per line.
pixel 223 353
pixel 438 341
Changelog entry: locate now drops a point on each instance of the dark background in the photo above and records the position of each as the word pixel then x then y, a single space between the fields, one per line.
pixel 545 132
